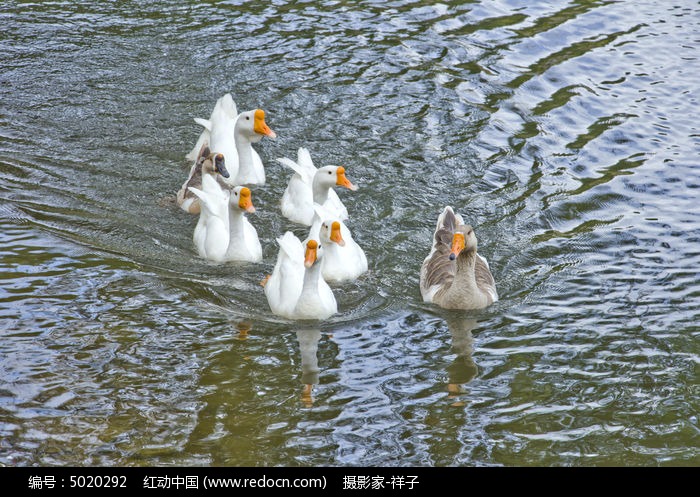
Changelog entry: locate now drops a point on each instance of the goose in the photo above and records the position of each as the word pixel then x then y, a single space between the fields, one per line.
pixel 296 288
pixel 316 300
pixel 207 163
pixel 211 235
pixel 242 160
pixel 218 131
pixel 343 258
pixel 225 107
pixel 250 128
pixel 244 244
pixel 221 126
pixel 283 287
pixel 454 275
pixel 308 185
pixel 208 188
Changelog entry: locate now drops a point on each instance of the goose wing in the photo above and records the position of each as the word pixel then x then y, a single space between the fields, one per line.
pixel 438 271
pixel 306 164
pixel 484 278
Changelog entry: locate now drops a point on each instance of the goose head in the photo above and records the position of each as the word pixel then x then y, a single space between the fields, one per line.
pixel 463 240
pixel 242 199
pixel 208 165
pixel 311 255
pixel 330 231
pixel 330 176
pixel 214 164
pixel 251 124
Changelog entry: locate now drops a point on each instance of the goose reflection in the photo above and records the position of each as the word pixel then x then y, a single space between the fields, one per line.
pixel 463 368
pixel 243 328
pixel 308 346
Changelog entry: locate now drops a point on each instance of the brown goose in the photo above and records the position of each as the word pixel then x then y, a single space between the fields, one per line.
pixel 454 275
pixel 207 163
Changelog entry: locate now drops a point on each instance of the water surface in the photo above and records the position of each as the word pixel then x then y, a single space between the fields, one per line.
pixel 564 132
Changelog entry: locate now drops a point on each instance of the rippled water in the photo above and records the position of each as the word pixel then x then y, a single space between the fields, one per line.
pixel 565 132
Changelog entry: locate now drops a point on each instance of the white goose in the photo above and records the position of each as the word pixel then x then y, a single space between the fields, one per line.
pixel 343 258
pixel 284 285
pixel 218 133
pixel 225 106
pixel 316 300
pixel 296 289
pixel 233 134
pixel 308 185
pixel 206 190
pixel 207 163
pixel 454 275
pixel 211 235
pixel 244 244
pixel 250 128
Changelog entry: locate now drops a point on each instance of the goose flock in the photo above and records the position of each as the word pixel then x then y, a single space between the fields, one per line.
pixel 225 167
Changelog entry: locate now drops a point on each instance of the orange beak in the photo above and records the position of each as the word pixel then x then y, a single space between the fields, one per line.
pixel 310 257
pixel 342 180
pixel 260 126
pixel 457 245
pixel 335 234
pixel 246 202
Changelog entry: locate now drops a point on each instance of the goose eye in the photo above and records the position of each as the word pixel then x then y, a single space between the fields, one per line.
pixel 330 172
pixel 247 118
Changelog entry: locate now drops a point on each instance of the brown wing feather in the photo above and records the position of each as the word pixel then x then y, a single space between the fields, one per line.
pixel 447 220
pixel 439 269
pixel 195 180
pixel 196 176
pixel 484 278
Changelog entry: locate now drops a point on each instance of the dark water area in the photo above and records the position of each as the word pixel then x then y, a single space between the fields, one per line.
pixel 564 132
